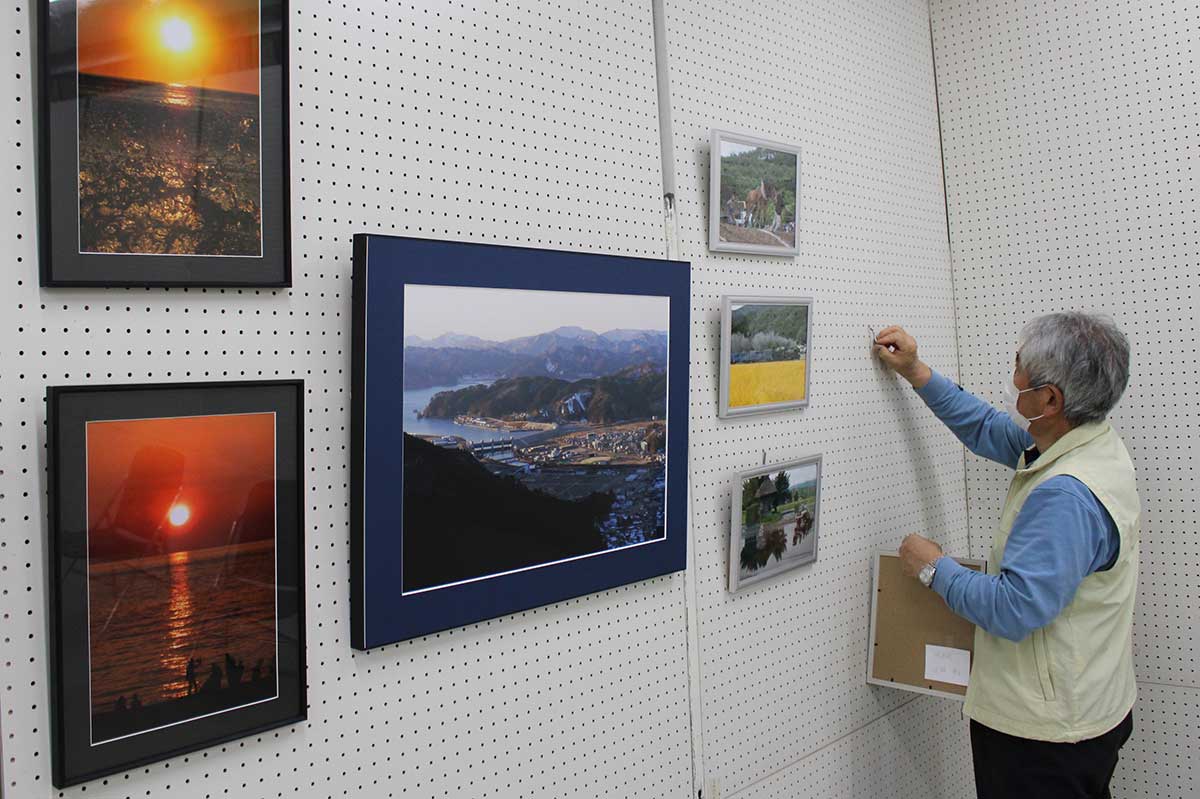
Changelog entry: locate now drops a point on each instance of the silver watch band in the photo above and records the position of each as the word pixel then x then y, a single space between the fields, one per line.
pixel 926 574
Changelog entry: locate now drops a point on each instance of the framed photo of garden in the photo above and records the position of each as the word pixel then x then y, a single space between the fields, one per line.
pixel 163 143
pixel 776 519
pixel 765 354
pixel 754 195
pixel 176 569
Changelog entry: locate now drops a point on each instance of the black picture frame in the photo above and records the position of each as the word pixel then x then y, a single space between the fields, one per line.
pixel 387 461
pixel 158 582
pixel 129 245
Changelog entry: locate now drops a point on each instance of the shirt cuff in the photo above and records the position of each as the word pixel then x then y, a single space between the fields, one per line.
pixel 947 569
pixel 938 386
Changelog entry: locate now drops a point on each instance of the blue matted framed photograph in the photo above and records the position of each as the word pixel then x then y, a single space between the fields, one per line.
pixel 519 429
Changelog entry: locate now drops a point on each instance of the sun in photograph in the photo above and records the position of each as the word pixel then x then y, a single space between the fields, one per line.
pixel 169 127
pixel 181 568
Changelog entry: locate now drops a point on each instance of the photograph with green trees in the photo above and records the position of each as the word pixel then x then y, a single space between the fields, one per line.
pixel 754 195
pixel 764 354
pixel 775 520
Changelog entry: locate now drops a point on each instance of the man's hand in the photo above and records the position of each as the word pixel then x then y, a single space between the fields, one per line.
pixel 898 350
pixel 916 552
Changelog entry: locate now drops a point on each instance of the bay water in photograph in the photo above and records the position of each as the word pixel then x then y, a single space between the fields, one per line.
pixel 181 569
pixel 168 127
pixel 535 428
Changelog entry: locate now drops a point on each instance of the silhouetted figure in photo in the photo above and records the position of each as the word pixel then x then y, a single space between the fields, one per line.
pixel 122 705
pixel 256 673
pixel 233 670
pixel 135 703
pixel 191 674
pixel 213 683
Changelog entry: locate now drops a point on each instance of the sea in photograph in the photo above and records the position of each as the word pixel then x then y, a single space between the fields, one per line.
pixel 152 616
pixel 168 168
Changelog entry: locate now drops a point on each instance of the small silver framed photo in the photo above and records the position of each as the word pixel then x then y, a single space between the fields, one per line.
pixel 754 195
pixel 765 354
pixel 776 519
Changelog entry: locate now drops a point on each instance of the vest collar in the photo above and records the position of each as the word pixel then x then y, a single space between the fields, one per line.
pixel 1075 437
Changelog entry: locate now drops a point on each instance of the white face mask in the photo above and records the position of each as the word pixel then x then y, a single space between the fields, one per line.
pixel 1011 395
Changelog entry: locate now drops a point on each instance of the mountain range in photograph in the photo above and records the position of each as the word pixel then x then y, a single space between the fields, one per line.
pixel 565 353
pixel 530 437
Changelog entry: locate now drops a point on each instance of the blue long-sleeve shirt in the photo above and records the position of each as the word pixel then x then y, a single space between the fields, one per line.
pixel 1062 534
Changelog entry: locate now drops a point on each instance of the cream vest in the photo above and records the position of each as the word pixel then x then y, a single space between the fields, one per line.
pixel 1072 679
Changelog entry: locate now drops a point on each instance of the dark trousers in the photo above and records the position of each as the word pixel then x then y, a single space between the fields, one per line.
pixel 1007 767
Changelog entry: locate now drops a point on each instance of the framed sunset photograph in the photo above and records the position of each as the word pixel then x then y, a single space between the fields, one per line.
pixel 519 430
pixel 176 569
pixel 754 195
pixel 163 143
pixel 766 354
pixel 776 519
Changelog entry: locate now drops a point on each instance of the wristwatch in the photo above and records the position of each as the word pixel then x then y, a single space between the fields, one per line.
pixel 926 574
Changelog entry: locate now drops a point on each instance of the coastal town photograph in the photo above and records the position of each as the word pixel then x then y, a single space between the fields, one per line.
pixel 534 425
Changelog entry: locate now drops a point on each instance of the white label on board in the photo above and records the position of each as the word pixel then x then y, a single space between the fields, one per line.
pixel 947 665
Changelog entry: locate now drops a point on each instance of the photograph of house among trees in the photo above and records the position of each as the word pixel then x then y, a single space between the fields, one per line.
pixel 758 195
pixel 778 522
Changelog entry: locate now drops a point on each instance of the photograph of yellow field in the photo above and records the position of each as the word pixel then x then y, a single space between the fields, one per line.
pixel 765 383
pixel 765 355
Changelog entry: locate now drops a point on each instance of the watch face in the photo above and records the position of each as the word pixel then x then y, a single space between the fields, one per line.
pixel 926 575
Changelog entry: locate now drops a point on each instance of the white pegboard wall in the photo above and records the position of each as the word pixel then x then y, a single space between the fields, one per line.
pixel 519 122
pixel 783 664
pixel 1159 760
pixel 1070 140
pixel 535 123
pixel 921 748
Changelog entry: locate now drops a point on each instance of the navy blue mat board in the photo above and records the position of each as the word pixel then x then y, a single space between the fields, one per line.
pixel 619 477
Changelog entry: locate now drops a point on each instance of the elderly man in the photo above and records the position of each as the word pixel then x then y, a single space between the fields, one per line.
pixel 1052 686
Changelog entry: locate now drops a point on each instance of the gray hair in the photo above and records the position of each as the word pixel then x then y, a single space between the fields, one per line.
pixel 1085 355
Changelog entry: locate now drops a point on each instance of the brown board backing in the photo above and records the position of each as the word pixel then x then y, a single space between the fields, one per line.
pixel 905 616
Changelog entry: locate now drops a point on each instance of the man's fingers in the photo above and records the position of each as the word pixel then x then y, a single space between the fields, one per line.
pixel 886 355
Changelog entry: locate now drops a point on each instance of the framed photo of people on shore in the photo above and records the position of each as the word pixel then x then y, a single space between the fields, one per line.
pixel 776 519
pixel 753 195
pixel 537 447
pixel 766 354
pixel 163 143
pixel 176 569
